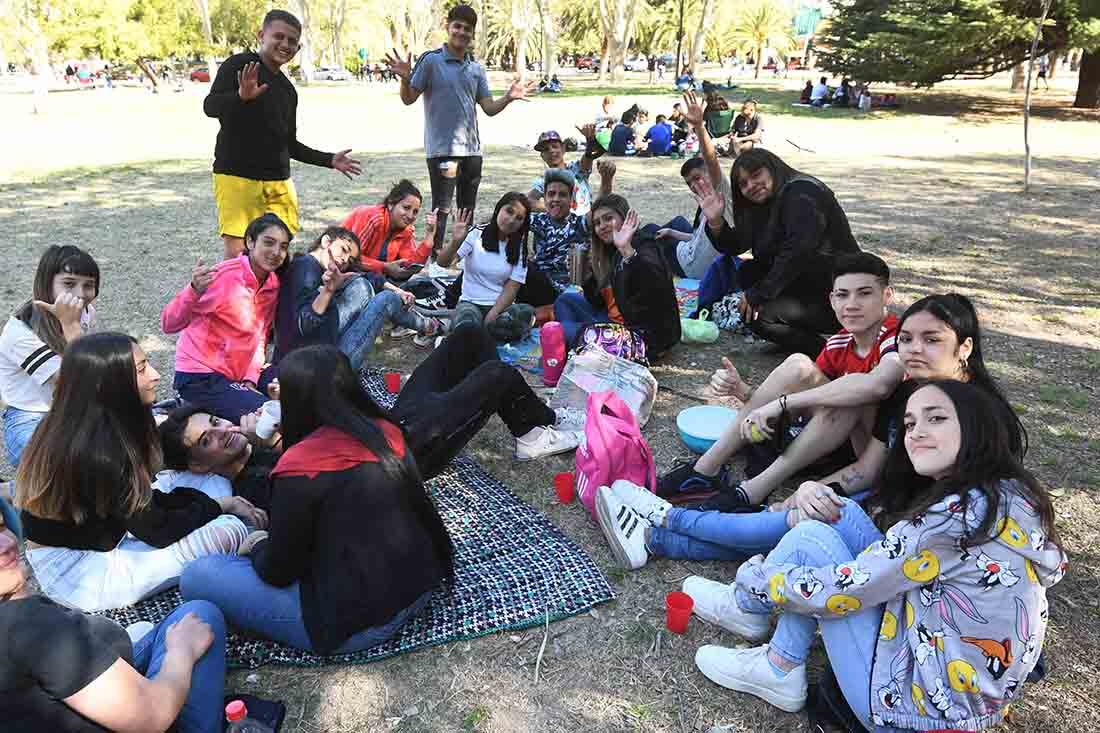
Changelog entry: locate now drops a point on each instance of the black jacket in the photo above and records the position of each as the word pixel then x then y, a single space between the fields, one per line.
pixel 795 237
pixel 257 139
pixel 359 543
pixel 644 293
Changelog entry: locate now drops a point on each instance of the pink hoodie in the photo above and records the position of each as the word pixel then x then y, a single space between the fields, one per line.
pixel 224 329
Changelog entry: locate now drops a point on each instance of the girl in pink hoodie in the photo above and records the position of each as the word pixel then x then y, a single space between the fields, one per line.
pixel 225 314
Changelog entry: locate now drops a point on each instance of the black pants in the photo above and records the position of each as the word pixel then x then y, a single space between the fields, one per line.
pixel 800 318
pixel 538 290
pixel 454 392
pixel 446 189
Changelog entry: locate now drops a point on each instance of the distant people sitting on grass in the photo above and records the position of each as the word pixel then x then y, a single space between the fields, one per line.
pixel 322 300
pixel 388 235
pixel 623 136
pixel 796 229
pixel 341 569
pixel 935 581
pixel 551 85
pixel 35 337
pixel 606 117
pixel 225 314
pixel 658 137
pixel 686 80
pixel 687 247
pixel 630 284
pixel 101 534
pixel 494 268
pixel 257 106
pixel 835 396
pixel 552 149
pixel 558 234
pixel 807 93
pixel 820 94
pixel 748 129
pixel 938 338
pixel 842 96
pixel 172 677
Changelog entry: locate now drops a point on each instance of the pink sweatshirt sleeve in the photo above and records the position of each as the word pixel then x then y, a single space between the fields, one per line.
pixel 177 314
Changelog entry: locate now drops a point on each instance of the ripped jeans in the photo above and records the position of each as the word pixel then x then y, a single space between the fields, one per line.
pixel 94 581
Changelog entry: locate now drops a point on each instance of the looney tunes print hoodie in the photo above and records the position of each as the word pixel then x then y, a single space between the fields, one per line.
pixel 961 628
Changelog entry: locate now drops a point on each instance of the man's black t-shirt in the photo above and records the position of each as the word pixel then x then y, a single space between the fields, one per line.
pixel 257 139
pixel 47 653
pixel 888 418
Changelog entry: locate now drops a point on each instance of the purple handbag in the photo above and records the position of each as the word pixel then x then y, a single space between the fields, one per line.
pixel 617 340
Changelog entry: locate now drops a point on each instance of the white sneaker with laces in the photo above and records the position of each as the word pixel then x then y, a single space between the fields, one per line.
pixel 547 442
pixel 624 529
pixel 715 603
pixel 642 500
pixel 748 670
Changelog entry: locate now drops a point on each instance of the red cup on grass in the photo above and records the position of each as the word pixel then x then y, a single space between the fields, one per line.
pixel 393 382
pixel 563 485
pixel 678 611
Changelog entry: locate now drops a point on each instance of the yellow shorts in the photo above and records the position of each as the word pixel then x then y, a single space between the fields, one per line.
pixel 240 200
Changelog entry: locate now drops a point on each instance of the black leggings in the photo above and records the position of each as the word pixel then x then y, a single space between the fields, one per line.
pixel 538 290
pixel 800 318
pixel 454 392
pixel 446 189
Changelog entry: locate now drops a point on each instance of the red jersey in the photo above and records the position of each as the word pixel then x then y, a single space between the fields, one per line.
pixel 839 355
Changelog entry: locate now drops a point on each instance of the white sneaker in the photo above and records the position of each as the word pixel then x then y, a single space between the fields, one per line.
pixel 643 501
pixel 400 332
pixel 748 670
pixel 548 442
pixel 624 529
pixel 715 603
pixel 138 630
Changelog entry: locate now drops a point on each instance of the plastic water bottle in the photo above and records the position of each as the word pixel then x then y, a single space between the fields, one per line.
pixel 237 716
pixel 553 352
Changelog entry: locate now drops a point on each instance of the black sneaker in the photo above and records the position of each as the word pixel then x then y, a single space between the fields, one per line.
pixel 684 479
pixel 730 500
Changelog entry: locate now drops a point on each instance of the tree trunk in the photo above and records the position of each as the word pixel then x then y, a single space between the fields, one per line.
pixel 1052 64
pixel 203 9
pixel 1027 94
pixel 759 60
pixel 305 44
pixel 521 54
pixel 700 33
pixel 1088 83
pixel 604 56
pixel 549 40
pixel 1017 84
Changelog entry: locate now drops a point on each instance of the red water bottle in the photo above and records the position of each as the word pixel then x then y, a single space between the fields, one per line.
pixel 236 715
pixel 553 352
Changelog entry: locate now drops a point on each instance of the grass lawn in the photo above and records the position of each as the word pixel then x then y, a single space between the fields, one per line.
pixel 934 191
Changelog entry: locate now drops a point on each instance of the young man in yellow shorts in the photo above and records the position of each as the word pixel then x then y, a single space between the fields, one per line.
pixel 257 106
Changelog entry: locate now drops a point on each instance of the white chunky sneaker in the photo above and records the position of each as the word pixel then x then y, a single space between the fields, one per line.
pixel 624 529
pixel 748 670
pixel 715 603
pixel 547 442
pixel 642 500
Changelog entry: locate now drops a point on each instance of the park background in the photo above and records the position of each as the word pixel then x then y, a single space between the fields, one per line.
pixel 935 187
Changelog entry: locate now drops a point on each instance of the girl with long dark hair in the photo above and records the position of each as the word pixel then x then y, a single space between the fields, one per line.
pixel 356 547
pixel 388 235
pixel 934 612
pixel 225 314
pixel 34 338
pixel 494 263
pixel 795 228
pixel 100 535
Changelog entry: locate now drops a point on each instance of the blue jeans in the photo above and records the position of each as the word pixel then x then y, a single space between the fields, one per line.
pixel 19 426
pixel 849 640
pixel 203 710
pixel 575 313
pixel 689 534
pixel 362 314
pixel 230 582
pixel 219 395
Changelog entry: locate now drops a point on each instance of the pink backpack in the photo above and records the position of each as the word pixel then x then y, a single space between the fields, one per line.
pixel 613 449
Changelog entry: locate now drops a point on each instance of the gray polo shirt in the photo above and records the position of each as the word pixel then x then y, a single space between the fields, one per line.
pixel 451 87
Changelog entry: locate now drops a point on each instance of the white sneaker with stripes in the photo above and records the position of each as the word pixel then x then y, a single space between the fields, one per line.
pixel 623 527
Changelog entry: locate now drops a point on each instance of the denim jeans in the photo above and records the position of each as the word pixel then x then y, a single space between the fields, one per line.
pixel 362 315
pixel 694 535
pixel 575 313
pixel 462 186
pixel 231 583
pixel 19 426
pixel 849 640
pixel 219 395
pixel 202 711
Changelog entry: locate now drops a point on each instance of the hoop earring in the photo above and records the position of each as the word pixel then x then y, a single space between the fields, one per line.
pixel 964 366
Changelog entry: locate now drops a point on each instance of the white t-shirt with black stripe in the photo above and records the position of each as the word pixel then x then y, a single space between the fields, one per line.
pixel 27 365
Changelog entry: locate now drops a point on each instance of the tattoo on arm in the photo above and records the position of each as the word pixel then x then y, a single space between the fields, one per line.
pixel 852 478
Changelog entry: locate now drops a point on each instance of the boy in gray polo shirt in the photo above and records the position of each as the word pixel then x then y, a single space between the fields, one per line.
pixel 451 82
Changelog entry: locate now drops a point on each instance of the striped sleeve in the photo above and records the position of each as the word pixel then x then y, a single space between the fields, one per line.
pixel 37 360
pixel 888 340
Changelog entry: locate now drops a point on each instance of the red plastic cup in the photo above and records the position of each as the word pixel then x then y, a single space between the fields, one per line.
pixel 678 611
pixel 393 382
pixel 563 485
